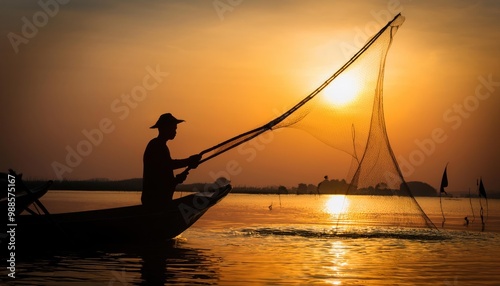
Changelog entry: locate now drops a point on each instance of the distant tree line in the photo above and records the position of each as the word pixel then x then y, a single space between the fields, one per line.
pixel 90 185
pixel 333 186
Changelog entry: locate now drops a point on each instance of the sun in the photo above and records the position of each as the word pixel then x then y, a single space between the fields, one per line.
pixel 342 90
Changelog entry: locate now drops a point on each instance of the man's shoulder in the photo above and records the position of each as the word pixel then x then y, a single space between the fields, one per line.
pixel 155 145
pixel 154 141
pixel 157 142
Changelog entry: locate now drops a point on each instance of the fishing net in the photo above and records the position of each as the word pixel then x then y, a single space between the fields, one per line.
pixel 346 112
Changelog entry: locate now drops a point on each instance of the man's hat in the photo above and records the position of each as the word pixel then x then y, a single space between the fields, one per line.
pixel 166 119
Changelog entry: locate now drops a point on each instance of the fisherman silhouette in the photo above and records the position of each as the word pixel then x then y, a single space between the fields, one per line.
pixel 159 182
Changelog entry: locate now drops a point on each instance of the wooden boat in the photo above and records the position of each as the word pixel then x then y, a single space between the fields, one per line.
pixel 116 225
pixel 124 224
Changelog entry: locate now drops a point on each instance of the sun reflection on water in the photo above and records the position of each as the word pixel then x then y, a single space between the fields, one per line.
pixel 337 205
pixel 337 263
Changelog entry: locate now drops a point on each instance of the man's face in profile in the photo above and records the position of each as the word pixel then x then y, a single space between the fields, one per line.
pixel 171 131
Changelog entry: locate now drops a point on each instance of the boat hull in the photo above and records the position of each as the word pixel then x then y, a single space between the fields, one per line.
pixel 124 224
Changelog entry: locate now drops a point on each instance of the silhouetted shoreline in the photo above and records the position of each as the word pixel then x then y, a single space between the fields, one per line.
pixel 419 189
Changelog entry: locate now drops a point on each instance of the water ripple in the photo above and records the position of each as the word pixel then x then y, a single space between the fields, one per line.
pixel 358 233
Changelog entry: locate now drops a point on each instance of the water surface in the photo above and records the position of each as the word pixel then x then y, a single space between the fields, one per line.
pixel 242 241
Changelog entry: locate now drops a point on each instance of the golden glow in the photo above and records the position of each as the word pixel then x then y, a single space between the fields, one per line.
pixel 259 73
pixel 336 204
pixel 338 261
pixel 342 90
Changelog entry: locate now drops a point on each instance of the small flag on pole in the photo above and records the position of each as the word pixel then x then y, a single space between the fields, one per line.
pixel 444 182
pixel 482 191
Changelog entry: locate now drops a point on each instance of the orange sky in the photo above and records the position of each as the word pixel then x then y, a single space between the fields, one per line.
pixel 230 68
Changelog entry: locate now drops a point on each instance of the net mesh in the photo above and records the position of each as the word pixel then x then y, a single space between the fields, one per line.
pixel 346 112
